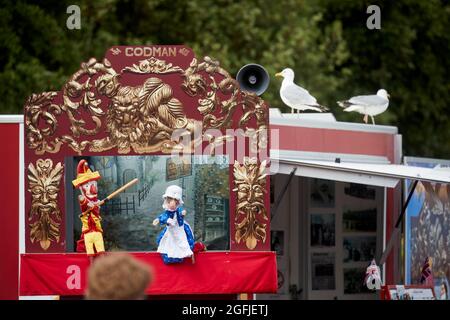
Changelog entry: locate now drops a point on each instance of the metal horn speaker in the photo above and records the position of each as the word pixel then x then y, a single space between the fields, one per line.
pixel 254 78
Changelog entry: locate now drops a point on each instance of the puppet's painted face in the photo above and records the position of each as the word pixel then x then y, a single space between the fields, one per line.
pixel 89 189
pixel 172 203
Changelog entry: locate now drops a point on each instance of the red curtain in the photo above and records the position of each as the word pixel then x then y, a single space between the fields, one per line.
pixel 212 273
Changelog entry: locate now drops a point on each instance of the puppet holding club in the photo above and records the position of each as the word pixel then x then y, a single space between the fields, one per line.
pixel 91 240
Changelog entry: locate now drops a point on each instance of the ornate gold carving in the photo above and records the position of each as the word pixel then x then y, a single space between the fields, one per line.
pixel 43 184
pixel 195 84
pixel 153 65
pixel 250 181
pixel 77 95
pixel 219 113
pixel 141 118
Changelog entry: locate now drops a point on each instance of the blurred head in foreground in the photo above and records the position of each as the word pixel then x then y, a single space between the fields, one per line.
pixel 118 276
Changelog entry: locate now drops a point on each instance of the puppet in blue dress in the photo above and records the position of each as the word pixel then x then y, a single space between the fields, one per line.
pixel 176 241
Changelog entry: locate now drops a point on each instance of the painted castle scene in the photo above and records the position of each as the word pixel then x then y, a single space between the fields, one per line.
pixel 127 218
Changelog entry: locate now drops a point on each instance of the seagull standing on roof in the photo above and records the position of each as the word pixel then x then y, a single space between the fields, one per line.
pixel 295 96
pixel 370 105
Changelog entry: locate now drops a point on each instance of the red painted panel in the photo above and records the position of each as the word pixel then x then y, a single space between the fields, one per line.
pixel 334 141
pixel 9 213
pixel 212 273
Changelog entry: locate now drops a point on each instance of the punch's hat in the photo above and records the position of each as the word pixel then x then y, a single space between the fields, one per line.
pixel 84 174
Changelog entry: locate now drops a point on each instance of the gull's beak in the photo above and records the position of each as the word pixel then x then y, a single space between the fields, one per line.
pixel 278 74
pixel 388 95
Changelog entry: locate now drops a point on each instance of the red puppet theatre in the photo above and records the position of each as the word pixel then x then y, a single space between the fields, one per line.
pixel 91 240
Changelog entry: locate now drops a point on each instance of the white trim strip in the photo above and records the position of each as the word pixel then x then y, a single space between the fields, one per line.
pixel 383 267
pixel 327 156
pixel 336 175
pixel 21 198
pixel 11 118
pixel 370 171
pixel 21 190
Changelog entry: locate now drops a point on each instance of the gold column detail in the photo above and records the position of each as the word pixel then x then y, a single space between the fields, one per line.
pixel 250 181
pixel 44 216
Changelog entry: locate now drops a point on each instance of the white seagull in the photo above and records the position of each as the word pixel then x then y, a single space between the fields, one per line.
pixel 370 105
pixel 295 96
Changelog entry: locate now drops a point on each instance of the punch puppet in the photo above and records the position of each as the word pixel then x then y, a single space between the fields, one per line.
pixel 91 240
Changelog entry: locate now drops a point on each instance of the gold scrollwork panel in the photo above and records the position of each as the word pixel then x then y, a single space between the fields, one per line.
pixel 250 181
pixel 44 215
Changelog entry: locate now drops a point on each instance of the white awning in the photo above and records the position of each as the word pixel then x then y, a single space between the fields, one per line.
pixel 383 175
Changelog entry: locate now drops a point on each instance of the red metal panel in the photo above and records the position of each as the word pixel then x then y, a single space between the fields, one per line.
pixel 9 213
pixel 212 273
pixel 335 141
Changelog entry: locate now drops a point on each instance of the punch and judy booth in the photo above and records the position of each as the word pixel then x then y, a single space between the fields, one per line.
pixel 162 116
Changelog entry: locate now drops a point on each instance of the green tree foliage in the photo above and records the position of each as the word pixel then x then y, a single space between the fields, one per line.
pixel 409 57
pixel 326 42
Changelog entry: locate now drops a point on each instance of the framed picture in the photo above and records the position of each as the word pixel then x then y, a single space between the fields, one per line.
pixel 323 271
pixel 323 230
pixel 426 224
pixel 357 249
pixel 360 191
pixel 359 220
pixel 322 193
pixel 178 167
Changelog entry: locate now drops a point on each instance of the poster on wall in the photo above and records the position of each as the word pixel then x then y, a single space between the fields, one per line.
pixel 359 220
pixel 360 191
pixel 427 228
pixel 322 193
pixel 359 248
pixel 323 271
pixel 323 230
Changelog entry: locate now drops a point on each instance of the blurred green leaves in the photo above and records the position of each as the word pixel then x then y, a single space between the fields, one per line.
pixel 326 42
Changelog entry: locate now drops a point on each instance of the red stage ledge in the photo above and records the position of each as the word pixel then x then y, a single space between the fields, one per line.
pixel 214 272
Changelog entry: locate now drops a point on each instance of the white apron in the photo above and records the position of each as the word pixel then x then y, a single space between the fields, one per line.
pixel 174 241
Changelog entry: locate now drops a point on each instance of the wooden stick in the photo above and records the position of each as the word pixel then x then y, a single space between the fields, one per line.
pixel 122 188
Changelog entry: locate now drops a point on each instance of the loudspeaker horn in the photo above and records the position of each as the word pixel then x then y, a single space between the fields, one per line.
pixel 254 78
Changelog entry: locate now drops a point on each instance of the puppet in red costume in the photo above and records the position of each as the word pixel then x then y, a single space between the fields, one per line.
pixel 91 240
